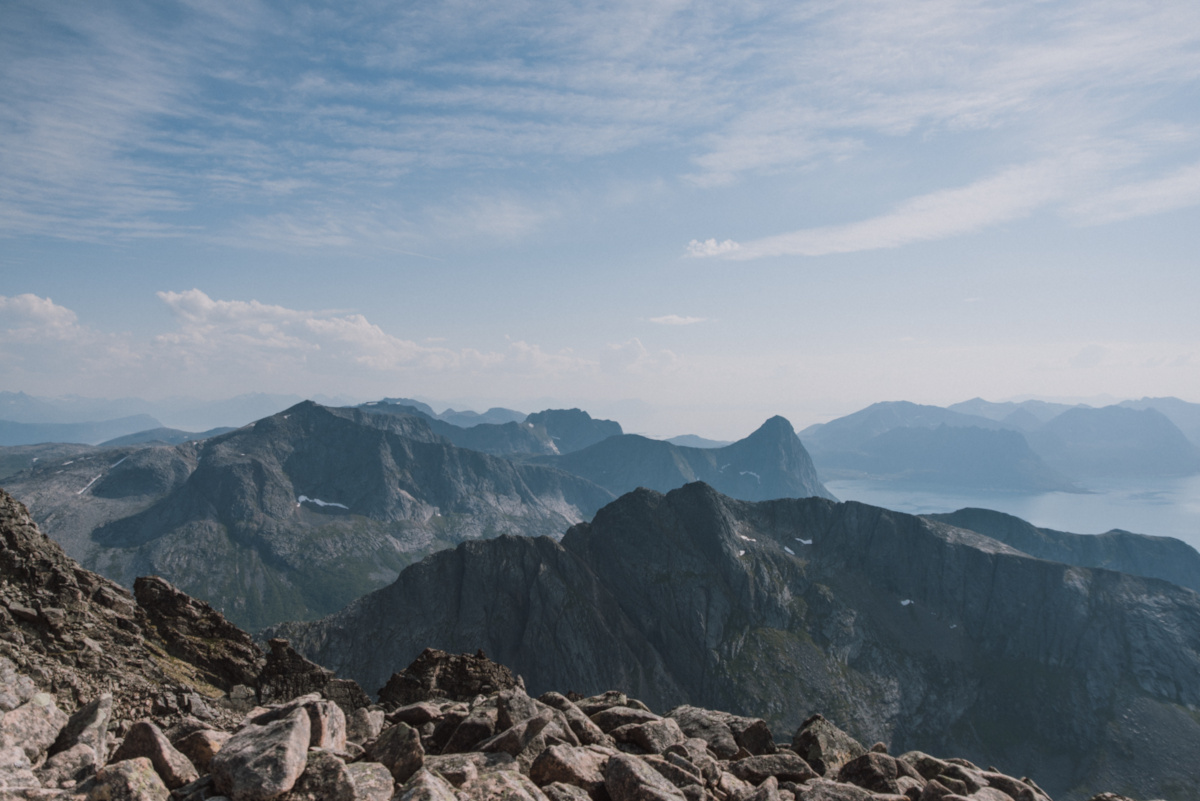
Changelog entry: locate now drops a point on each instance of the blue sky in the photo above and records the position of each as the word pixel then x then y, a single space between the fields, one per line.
pixel 688 216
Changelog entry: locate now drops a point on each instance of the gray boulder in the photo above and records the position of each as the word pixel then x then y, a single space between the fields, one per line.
pixel 144 739
pixel 627 778
pixel 262 761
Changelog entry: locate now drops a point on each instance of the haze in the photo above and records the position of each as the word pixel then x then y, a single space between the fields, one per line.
pixel 684 216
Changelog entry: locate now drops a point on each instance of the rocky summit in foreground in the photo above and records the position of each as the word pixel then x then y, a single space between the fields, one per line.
pixel 469 731
pixel 902 629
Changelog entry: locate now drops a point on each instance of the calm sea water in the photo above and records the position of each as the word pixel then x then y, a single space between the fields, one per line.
pixel 1168 508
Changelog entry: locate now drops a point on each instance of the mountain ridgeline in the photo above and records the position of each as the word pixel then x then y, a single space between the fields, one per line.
pixel 1023 447
pixel 901 629
pixel 770 463
pixel 303 511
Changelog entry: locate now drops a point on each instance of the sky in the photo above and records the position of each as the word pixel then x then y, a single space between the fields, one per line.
pixel 687 216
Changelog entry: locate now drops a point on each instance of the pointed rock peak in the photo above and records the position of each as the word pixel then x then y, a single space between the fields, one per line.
pixel 776 427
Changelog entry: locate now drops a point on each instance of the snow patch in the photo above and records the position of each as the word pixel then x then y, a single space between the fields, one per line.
pixel 319 502
pixel 747 539
pixel 906 602
pixel 757 477
pixel 803 542
pixel 90 483
pixel 67 463
pixel 741 553
pixel 789 550
pixel 953 625
pixel 114 464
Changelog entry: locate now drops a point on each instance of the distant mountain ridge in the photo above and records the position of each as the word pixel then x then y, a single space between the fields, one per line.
pixel 1026 447
pixel 769 463
pixel 90 433
pixel 295 515
pixel 1163 558
pixel 904 630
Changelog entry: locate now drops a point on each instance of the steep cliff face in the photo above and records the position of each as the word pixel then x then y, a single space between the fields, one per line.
pixel 770 463
pixel 902 629
pixel 1163 558
pixel 297 514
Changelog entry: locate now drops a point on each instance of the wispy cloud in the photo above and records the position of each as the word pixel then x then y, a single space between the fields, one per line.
pixel 124 121
pixel 1009 195
pixel 675 319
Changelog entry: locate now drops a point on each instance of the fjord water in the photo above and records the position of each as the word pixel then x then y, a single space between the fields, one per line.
pixel 1164 507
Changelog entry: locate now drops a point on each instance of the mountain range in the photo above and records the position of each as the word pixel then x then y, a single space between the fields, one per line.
pixel 1025 447
pixel 902 629
pixel 303 511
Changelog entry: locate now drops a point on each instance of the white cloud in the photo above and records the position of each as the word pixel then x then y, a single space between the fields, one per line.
pixel 1180 189
pixel 25 318
pixel 711 247
pixel 675 319
pixel 1011 194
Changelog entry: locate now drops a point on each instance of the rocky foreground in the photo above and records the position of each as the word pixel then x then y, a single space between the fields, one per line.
pixel 467 730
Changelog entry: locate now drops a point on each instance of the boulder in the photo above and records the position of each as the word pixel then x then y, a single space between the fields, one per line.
pixel 145 739
pixel 128 780
pixel 33 726
pixel 587 732
pixel 767 791
pixel 399 750
pixel 261 761
pixel 516 739
pixel 15 770
pixel 372 781
pixel 582 767
pixel 724 733
pixel 328 725
pixel 89 727
pixel 824 746
pixel 783 766
pixel 872 771
pixel 426 786
pixel 201 746
pixel 73 765
pixel 827 790
pixel 627 778
pixel 557 791
pixel 653 737
pixel 458 769
pixel 682 775
pixel 364 725
pixel 502 786
pixel 616 716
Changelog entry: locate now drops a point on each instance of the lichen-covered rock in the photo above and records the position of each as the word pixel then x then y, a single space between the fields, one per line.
pixel 872 771
pixel 16 770
pixel 372 781
pixel 616 716
pixel 426 786
pixel 287 675
pixel 262 761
